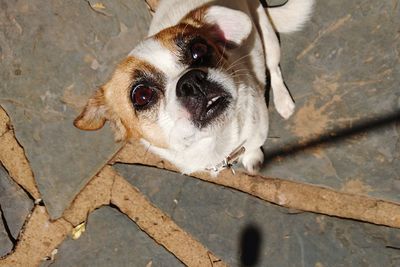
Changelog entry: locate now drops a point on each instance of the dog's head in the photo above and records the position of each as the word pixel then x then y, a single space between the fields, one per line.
pixel 176 85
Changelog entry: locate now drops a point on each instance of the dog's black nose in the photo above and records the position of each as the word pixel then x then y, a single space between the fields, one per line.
pixel 191 83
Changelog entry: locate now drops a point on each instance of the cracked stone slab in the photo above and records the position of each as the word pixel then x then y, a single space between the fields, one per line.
pixel 6 244
pixel 343 72
pixel 15 203
pixel 53 56
pixel 112 239
pixel 237 226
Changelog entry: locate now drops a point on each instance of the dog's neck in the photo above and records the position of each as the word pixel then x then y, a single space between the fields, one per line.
pixel 229 161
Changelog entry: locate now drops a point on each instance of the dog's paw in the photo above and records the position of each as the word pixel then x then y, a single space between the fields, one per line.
pixel 253 160
pixel 284 105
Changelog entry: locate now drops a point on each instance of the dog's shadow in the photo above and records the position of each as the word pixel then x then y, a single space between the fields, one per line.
pixel 331 137
pixel 250 245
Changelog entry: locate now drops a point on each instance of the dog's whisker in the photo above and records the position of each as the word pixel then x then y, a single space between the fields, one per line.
pixel 241 70
pixel 222 55
pixel 241 75
pixel 238 61
pixel 147 149
pixel 181 33
pixel 241 58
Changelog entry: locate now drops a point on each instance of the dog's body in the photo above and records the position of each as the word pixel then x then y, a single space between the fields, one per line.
pixel 193 91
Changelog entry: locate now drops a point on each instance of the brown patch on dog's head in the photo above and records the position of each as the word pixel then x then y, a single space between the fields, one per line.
pixel 189 25
pixel 196 17
pixel 112 102
pixel 216 26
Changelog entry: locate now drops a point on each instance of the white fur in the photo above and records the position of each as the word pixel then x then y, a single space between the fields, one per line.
pixel 246 120
pixel 282 99
pixel 292 16
pixel 227 20
pixel 152 51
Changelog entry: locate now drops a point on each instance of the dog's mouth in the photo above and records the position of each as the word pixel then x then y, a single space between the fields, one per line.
pixel 204 109
pixel 213 106
pixel 205 100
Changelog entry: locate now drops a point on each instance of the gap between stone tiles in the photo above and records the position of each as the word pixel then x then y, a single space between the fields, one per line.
pixel 285 193
pixel 13 157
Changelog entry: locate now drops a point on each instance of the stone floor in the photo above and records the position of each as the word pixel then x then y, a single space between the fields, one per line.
pixel 238 227
pixel 343 71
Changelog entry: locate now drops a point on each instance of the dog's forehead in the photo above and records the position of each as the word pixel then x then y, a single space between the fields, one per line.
pixel 154 52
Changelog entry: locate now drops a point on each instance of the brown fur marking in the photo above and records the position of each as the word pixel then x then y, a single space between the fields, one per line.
pixel 189 25
pixel 92 117
pixel 112 102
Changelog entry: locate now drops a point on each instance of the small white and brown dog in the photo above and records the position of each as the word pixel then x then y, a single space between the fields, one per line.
pixel 193 91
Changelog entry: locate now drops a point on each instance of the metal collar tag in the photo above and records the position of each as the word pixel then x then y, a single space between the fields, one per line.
pixel 230 160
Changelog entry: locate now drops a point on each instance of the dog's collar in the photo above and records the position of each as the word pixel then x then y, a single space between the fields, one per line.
pixel 230 160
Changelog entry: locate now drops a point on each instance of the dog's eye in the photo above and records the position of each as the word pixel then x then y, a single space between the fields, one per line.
pixel 198 50
pixel 142 95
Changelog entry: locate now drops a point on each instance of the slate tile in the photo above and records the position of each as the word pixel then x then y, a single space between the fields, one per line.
pixel 165 191
pixel 236 226
pixel 53 56
pixel 15 203
pixel 342 70
pixel 5 243
pixel 112 239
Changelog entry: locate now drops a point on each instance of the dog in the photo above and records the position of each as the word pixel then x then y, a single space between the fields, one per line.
pixel 193 91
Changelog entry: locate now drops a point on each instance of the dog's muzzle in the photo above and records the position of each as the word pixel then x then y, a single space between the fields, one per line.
pixel 205 100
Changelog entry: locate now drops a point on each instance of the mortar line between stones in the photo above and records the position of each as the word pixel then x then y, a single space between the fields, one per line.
pixel 20 186
pixel 286 193
pixel 30 187
pixel 6 228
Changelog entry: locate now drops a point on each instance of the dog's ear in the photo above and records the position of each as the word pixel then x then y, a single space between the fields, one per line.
pixel 93 115
pixel 234 26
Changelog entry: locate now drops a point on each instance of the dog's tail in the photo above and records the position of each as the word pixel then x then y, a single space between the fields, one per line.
pixel 291 16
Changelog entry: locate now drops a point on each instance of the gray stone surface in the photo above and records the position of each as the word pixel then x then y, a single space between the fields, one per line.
pixel 343 71
pixel 5 243
pixel 112 239
pixel 53 55
pixel 15 203
pixel 231 224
